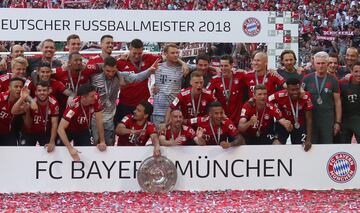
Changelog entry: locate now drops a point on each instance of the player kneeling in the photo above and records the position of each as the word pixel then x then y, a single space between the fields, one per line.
pixel 176 133
pixel 216 129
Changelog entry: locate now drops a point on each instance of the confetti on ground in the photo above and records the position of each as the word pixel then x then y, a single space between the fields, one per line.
pixel 185 201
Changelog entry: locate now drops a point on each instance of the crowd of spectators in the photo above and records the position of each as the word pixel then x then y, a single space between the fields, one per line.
pixel 225 5
pixel 332 25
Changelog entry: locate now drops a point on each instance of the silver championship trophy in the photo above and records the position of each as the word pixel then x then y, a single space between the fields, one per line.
pixel 157 174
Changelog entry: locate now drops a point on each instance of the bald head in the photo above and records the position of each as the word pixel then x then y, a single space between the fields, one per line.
pixel 17 50
pixel 260 61
pixel 261 55
pixel 351 56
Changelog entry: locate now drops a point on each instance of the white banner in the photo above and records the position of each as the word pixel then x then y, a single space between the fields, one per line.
pixel 148 25
pixel 32 169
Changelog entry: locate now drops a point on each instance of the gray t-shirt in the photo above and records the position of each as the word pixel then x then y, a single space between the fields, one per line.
pixel 109 91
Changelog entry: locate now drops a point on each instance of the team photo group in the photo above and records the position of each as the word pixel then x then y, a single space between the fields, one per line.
pixel 140 98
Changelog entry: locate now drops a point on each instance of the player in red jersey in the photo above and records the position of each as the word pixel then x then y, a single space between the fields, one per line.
pixel 5 62
pixel 228 88
pixel 260 75
pixel 18 69
pixel 215 129
pixel 75 123
pixel 40 125
pixel 134 93
pixel 18 66
pixel 56 87
pixel 257 119
pixel 107 45
pixel 74 76
pixel 192 101
pixel 7 100
pixel 176 133
pixel 136 129
pixel 298 110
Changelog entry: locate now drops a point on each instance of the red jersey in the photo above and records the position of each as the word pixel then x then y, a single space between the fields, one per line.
pixel 219 133
pixel 234 104
pixel 132 94
pixel 79 117
pixel 56 88
pixel 63 76
pixel 42 122
pixel 6 117
pixel 272 80
pixel 186 134
pixel 5 81
pixel 78 79
pixel 95 60
pixel 281 100
pixel 136 139
pixel 268 113
pixel 184 102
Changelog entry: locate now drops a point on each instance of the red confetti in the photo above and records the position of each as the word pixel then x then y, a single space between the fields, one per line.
pixel 185 201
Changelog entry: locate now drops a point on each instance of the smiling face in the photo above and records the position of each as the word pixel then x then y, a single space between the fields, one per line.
pixel 19 70
pixel 44 73
pixel 351 56
pixel 202 65
pixel 176 118
pixel 74 45
pixel 225 66
pixel 217 114
pixel 294 91
pixel 259 62
pixel 356 73
pixel 288 61
pixel 48 49
pixel 107 45
pixel 42 92
pixel 332 64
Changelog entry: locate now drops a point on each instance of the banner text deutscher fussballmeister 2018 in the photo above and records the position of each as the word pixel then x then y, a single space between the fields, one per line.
pixel 160 26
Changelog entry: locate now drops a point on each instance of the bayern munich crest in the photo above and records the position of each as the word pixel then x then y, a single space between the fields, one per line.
pixel 341 167
pixel 251 26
